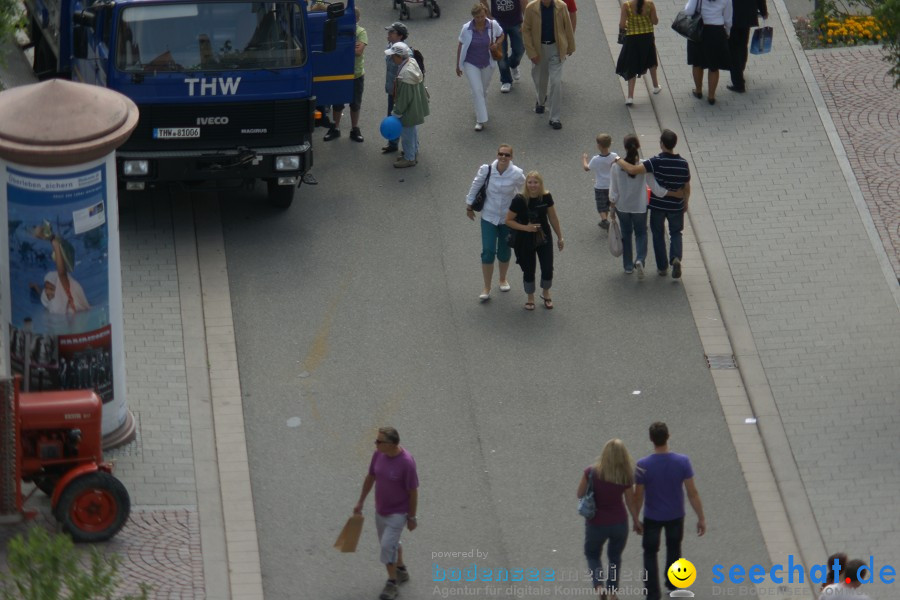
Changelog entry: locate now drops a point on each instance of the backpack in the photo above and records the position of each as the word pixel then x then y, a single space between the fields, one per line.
pixel 420 60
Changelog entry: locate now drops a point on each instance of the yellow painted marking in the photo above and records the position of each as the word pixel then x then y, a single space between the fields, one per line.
pixel 332 78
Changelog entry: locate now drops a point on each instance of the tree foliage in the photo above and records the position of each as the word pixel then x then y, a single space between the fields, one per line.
pixel 45 567
pixel 888 12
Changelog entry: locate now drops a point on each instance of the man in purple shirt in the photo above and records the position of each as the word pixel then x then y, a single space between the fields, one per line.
pixel 659 479
pixel 393 473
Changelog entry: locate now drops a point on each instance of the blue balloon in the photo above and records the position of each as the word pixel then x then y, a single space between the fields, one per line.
pixel 391 128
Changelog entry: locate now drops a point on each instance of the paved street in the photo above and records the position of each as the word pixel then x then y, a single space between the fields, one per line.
pixel 358 307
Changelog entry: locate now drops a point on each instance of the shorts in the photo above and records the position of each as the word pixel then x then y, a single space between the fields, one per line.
pixel 601 197
pixel 389 528
pixel 358 85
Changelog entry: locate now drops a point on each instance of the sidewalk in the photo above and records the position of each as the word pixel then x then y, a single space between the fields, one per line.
pixel 192 530
pixel 802 281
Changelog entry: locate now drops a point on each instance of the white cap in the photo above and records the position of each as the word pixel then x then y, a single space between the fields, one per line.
pixel 397 48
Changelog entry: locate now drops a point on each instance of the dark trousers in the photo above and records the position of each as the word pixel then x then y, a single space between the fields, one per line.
pixel 652 533
pixel 658 220
pixel 738 42
pixel 528 258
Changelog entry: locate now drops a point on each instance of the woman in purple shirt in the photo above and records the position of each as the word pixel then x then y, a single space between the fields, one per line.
pixel 473 57
pixel 613 478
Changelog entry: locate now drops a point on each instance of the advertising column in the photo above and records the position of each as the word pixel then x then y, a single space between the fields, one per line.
pixel 62 309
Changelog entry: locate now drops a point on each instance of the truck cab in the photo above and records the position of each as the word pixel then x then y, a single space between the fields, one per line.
pixel 225 88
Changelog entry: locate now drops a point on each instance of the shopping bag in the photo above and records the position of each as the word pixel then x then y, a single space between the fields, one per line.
pixel 762 40
pixel 349 537
pixel 615 238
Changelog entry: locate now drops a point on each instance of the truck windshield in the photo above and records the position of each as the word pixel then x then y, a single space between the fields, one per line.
pixel 209 36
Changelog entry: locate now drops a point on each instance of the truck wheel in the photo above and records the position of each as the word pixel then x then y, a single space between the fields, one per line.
pixel 93 507
pixel 280 196
pixel 44 60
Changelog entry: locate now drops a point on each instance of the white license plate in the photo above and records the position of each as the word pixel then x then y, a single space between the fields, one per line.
pixel 167 133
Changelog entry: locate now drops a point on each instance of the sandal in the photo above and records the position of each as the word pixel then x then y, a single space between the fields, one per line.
pixel 548 303
pixel 529 306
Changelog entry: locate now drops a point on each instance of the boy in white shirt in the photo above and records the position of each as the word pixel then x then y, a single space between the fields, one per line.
pixel 600 164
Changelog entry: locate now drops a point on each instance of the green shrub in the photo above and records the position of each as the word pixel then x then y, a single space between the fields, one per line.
pixel 888 12
pixel 45 567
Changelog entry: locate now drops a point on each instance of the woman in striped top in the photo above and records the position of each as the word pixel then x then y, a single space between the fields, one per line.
pixel 639 50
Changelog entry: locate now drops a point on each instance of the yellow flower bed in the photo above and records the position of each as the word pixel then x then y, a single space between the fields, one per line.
pixel 851 31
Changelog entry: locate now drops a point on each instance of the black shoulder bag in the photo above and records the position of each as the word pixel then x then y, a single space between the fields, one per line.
pixel 481 195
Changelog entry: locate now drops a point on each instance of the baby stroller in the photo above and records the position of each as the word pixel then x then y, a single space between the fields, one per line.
pixel 434 11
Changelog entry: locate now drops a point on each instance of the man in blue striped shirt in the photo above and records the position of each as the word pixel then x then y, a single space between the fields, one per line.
pixel 671 172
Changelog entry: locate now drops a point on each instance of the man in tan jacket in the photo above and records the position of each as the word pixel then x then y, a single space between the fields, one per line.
pixel 549 38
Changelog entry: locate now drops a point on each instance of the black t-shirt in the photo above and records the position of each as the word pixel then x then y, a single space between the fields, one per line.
pixel 535 211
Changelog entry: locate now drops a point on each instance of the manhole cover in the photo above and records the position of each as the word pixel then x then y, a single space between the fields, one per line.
pixel 720 361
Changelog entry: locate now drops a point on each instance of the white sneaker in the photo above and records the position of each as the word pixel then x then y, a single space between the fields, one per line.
pixel 479 126
pixel 505 88
pixel 639 267
pixel 515 73
pixel 629 101
pixel 657 89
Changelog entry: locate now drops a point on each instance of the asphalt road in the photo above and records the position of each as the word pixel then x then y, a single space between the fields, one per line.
pixel 358 307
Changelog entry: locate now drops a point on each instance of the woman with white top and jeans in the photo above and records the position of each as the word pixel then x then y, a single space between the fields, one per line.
pixel 628 201
pixel 473 57
pixel 711 52
pixel 505 181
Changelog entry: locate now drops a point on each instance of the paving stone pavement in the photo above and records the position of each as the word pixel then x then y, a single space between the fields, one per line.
pixel 821 312
pixel 865 106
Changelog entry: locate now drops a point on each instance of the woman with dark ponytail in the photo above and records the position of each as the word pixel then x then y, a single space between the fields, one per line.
pixel 628 201
pixel 639 49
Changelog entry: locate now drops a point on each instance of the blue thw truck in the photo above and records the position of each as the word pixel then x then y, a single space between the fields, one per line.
pixel 226 89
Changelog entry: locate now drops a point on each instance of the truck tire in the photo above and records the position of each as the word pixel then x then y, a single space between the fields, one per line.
pixel 280 196
pixel 44 60
pixel 93 507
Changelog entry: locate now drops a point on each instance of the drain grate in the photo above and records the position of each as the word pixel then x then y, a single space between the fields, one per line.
pixel 720 361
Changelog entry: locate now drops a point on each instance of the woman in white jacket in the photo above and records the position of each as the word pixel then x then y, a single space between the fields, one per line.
pixel 628 201
pixel 473 57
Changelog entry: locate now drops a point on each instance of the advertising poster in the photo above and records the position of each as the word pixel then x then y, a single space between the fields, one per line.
pixel 60 334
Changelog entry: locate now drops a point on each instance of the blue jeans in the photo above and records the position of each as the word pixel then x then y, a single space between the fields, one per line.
pixel 410 138
pixel 657 229
pixel 594 538
pixel 652 533
pixel 493 243
pixel 511 59
pixel 633 223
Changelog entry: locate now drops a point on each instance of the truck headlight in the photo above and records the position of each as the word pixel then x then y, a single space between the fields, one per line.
pixel 287 163
pixel 135 168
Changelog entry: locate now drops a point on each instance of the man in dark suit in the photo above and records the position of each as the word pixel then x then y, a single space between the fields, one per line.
pixel 746 15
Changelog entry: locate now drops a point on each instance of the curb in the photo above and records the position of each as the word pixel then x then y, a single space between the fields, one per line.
pixel 782 506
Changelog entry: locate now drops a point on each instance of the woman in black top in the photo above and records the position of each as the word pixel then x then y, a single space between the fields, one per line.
pixel 531 215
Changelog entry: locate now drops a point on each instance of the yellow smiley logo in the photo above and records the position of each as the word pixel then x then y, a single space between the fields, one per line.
pixel 682 573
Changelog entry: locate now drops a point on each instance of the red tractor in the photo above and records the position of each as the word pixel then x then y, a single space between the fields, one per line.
pixel 54 440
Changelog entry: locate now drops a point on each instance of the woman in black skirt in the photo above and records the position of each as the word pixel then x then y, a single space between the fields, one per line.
pixel 638 52
pixel 711 52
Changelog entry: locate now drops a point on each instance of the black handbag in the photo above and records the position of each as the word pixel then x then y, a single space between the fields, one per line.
pixel 481 195
pixel 689 26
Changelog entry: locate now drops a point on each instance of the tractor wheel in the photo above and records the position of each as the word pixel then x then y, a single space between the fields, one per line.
pixel 280 196
pixel 93 507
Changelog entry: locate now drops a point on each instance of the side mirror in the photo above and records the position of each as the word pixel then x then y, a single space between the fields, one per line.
pixel 335 10
pixel 329 35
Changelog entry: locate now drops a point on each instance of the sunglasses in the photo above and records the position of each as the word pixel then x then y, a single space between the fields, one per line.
pixel 382 441
pixel 506 154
